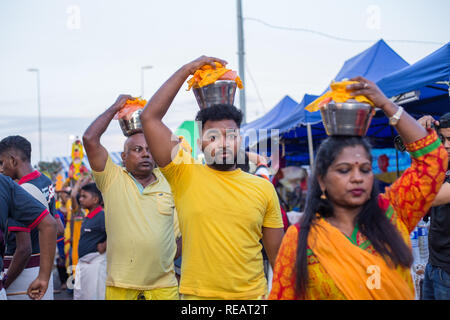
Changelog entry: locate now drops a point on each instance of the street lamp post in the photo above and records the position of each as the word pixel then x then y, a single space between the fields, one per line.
pixel 241 53
pixel 39 109
pixel 142 78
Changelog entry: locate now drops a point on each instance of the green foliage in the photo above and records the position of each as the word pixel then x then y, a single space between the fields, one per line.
pixel 50 169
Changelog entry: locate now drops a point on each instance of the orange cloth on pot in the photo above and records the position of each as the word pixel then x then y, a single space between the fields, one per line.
pixel 130 107
pixel 207 75
pixel 338 93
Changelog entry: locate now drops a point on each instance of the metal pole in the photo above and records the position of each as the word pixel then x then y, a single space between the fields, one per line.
pixel 39 113
pixel 241 53
pixel 310 145
pixel 39 110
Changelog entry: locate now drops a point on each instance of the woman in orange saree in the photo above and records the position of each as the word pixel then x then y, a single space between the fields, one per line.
pixel 352 241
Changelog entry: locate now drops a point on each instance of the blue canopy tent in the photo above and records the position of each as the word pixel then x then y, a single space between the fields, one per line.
pixel 260 129
pixel 395 77
pixel 373 63
pixel 300 116
pixel 429 77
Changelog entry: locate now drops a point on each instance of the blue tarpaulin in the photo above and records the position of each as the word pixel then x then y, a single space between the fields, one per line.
pixel 271 120
pixel 431 69
pixel 404 160
pixel 424 76
pixel 380 64
pixel 300 116
pixel 373 63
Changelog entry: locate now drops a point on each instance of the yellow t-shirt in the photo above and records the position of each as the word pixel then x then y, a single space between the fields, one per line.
pixel 141 224
pixel 221 215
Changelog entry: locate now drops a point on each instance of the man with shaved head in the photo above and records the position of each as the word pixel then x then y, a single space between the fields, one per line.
pixel 140 217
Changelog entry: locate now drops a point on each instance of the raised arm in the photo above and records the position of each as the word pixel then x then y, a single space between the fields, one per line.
pixel 81 182
pixel 412 194
pixel 408 128
pixel 95 152
pixel 159 138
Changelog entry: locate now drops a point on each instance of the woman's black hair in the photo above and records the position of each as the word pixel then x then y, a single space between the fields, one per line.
pixel 371 221
pixel 444 121
pixel 92 189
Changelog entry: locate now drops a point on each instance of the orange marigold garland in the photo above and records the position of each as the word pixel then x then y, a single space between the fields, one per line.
pixel 207 75
pixel 338 93
pixel 130 107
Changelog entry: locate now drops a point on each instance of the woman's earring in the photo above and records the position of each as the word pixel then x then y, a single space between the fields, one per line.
pixel 323 196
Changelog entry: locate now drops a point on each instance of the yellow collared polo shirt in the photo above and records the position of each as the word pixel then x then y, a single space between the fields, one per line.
pixel 141 226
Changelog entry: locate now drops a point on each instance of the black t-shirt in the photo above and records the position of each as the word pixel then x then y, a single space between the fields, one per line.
pixel 93 232
pixel 44 184
pixel 17 204
pixel 439 235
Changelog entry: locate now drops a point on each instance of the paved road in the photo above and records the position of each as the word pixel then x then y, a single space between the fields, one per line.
pixel 57 292
pixel 62 295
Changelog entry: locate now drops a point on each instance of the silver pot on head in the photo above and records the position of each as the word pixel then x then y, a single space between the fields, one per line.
pixel 132 125
pixel 219 92
pixel 350 118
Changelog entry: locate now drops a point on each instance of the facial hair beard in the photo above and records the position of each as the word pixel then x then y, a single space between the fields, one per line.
pixel 222 167
pixel 226 166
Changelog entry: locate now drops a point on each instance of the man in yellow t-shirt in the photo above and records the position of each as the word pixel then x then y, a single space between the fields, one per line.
pixel 140 219
pixel 223 212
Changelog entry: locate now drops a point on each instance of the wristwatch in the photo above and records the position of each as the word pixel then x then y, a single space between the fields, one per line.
pixel 394 119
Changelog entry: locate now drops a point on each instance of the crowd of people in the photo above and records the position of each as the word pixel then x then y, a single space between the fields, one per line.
pixel 225 226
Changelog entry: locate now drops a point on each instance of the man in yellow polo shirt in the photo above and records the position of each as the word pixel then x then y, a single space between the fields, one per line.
pixel 223 211
pixel 141 223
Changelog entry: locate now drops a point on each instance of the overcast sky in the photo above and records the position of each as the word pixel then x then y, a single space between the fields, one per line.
pixel 89 52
